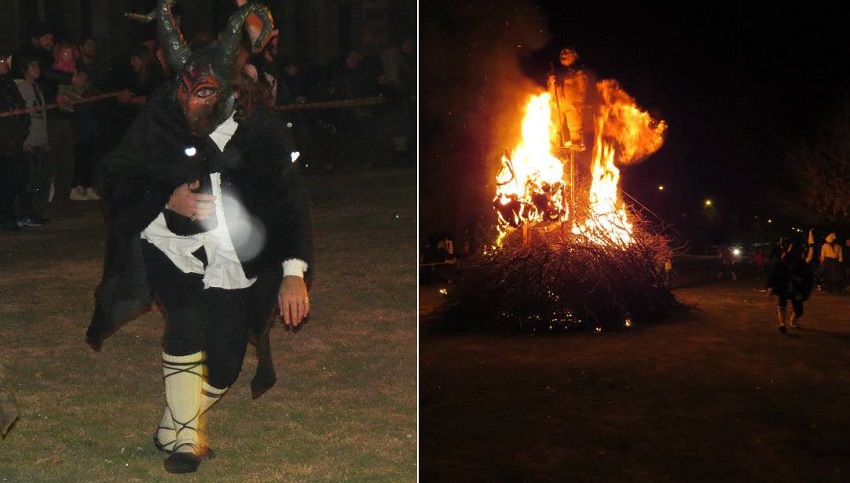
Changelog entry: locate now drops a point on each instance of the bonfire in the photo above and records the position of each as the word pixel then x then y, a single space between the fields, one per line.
pixel 568 255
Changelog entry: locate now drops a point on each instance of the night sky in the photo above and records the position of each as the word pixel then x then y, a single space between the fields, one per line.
pixel 733 83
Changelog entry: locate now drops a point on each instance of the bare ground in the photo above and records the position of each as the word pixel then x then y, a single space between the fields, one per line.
pixel 719 396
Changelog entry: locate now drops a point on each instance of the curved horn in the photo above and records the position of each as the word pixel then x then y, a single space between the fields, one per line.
pixel 169 35
pixel 232 35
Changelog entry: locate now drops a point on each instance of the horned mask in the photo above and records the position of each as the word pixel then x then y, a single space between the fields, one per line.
pixel 206 77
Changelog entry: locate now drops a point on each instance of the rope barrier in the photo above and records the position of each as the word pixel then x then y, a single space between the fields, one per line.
pixel 365 101
pixel 17 112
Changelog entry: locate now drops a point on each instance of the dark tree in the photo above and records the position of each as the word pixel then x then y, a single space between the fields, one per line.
pixel 817 171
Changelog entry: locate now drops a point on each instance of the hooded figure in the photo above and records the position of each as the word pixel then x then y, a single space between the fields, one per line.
pixel 791 281
pixel 208 217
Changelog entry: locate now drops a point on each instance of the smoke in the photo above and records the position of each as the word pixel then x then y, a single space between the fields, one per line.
pixel 472 92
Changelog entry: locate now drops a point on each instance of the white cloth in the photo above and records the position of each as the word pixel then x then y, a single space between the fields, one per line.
pixel 223 269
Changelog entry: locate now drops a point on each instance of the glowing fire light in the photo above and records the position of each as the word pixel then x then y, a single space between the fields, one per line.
pixel 530 185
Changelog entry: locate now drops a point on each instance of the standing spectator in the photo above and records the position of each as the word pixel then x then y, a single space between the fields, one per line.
pixel 831 260
pixel 812 258
pixel 35 193
pixel 664 261
pixel 144 76
pixel 356 80
pixel 91 123
pixel 61 124
pixel 267 67
pixel 399 82
pixel 792 281
pixel 14 131
pixel 758 258
pixel 724 256
pixel 65 57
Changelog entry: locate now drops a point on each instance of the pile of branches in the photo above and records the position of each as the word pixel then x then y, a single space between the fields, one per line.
pixel 546 278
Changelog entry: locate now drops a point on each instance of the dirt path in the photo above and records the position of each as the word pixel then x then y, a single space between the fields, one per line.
pixel 719 397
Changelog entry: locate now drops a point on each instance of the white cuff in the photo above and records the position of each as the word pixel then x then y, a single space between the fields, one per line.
pixel 294 266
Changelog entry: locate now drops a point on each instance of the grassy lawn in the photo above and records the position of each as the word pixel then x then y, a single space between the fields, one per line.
pixel 719 396
pixel 344 407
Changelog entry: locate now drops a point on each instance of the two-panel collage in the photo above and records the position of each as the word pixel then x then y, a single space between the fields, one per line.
pixel 390 241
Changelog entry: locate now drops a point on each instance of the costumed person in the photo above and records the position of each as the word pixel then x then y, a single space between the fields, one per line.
pixel 567 88
pixel 207 214
pixel 831 261
pixel 791 280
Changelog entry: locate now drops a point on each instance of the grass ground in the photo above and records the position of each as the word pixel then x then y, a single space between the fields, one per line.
pixel 719 396
pixel 344 407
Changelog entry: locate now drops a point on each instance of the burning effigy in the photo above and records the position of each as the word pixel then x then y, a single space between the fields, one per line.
pixel 569 252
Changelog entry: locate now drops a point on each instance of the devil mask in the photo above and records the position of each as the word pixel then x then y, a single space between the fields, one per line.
pixel 206 78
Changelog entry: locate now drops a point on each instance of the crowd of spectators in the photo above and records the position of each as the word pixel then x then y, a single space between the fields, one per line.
pixel 87 102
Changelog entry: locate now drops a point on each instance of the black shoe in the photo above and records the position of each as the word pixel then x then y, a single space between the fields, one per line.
pixel 182 463
pixel 782 329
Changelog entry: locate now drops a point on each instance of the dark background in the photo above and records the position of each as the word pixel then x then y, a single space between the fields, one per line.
pixel 734 83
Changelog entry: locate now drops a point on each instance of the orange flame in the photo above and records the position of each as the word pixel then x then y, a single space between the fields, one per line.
pixel 530 186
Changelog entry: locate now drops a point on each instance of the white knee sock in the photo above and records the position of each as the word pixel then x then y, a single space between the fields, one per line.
pixel 166 433
pixel 184 381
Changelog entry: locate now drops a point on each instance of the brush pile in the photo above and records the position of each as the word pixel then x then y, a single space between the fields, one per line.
pixel 546 278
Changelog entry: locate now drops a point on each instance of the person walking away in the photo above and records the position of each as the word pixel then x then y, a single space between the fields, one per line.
pixel 15 130
pixel 831 261
pixel 218 235
pixel 791 281
pixel 35 192
pixel 568 87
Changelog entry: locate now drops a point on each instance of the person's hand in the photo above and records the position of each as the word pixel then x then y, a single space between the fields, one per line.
pixel 79 79
pixel 293 300
pixel 62 101
pixel 124 96
pixel 197 206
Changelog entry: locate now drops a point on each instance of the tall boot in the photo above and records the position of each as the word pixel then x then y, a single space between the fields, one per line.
pixel 780 314
pixel 184 381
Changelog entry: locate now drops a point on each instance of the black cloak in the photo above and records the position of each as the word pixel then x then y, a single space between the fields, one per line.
pixel 258 177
